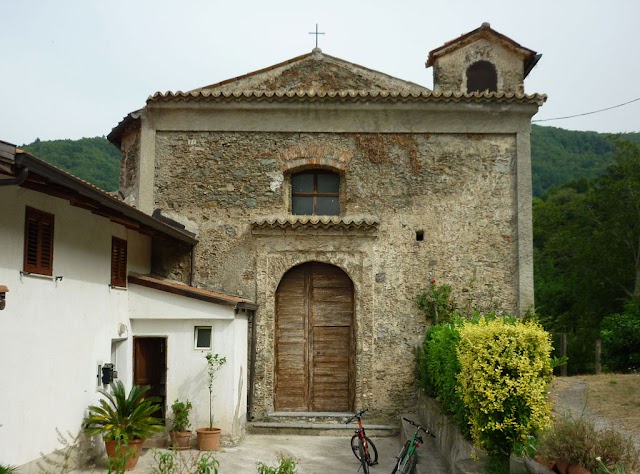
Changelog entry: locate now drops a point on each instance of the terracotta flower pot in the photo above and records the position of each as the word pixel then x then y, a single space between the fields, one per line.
pixel 132 449
pixel 180 439
pixel 208 439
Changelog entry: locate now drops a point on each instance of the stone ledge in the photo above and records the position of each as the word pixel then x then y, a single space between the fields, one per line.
pixel 346 225
pixel 459 454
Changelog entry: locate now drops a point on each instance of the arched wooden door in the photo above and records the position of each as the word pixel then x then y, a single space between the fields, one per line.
pixel 314 340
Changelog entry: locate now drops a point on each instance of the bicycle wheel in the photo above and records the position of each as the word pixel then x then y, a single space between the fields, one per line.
pixel 411 464
pixel 403 451
pixel 372 457
pixel 363 458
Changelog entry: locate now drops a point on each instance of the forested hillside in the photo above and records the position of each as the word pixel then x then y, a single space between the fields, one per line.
pixel 559 156
pixel 92 159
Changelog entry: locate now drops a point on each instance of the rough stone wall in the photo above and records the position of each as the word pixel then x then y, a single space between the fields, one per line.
pixel 130 149
pixel 449 73
pixel 459 189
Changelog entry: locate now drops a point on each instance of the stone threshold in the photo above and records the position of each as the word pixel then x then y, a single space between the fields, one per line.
pixel 322 426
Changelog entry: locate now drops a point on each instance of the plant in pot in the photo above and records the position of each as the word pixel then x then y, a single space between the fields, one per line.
pixel 209 438
pixel 124 421
pixel 180 433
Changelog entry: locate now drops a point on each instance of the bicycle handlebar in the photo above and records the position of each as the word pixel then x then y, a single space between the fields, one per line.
pixel 419 427
pixel 357 415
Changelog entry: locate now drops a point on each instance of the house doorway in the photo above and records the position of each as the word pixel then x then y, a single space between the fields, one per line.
pixel 314 340
pixel 150 367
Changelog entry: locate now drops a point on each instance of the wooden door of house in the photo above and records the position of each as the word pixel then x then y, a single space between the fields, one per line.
pixel 150 367
pixel 314 340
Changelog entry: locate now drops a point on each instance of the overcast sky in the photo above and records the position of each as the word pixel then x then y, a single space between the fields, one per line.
pixel 74 68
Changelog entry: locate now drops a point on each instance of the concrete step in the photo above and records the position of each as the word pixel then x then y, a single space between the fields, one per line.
pixel 315 424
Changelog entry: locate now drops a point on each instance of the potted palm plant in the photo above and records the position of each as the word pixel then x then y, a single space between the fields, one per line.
pixel 209 438
pixel 179 433
pixel 124 421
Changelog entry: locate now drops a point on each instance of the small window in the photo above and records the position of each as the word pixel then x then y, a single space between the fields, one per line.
pixel 315 193
pixel 202 337
pixel 118 262
pixel 482 76
pixel 38 242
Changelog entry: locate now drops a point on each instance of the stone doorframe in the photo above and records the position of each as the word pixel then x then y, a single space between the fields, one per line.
pixel 271 267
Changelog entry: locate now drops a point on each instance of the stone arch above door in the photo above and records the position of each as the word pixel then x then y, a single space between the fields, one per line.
pixel 315 347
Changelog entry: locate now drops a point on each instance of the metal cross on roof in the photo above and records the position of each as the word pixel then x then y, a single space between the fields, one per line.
pixel 316 33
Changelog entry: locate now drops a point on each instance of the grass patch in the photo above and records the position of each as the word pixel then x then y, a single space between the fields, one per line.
pixel 615 397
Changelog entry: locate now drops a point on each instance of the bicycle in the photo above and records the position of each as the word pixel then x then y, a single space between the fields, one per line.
pixel 408 457
pixel 361 445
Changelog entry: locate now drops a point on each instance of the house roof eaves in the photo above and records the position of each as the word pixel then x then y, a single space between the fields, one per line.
pixel 349 96
pixel 191 292
pixel 115 135
pixel 93 193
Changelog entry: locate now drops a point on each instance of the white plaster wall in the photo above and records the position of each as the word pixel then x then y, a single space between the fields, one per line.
pixel 149 303
pixel 186 368
pixel 53 334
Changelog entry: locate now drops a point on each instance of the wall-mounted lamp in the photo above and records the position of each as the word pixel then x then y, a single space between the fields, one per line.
pixel 3 294
pixel 108 374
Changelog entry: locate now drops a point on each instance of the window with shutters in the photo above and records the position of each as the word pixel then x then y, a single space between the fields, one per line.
pixel 315 192
pixel 118 262
pixel 38 242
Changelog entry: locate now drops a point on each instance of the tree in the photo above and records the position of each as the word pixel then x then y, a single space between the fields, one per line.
pixel 587 252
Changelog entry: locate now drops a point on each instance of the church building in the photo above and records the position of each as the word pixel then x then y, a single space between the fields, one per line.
pixel 329 194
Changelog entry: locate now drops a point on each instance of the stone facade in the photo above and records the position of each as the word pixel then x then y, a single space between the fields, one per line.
pixel 431 187
pixel 459 190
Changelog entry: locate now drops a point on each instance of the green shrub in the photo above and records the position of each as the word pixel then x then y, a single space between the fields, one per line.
pixel 436 303
pixel 577 441
pixel 438 369
pixel 184 462
pixel 504 378
pixel 620 334
pixel 286 465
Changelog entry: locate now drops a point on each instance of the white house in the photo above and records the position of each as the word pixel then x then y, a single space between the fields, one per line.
pixel 79 290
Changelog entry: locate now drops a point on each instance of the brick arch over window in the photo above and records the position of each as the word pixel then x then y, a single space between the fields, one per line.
pixel 482 76
pixel 298 158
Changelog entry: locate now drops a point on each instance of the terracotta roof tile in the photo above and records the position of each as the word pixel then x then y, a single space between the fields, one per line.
pixel 324 222
pixel 350 96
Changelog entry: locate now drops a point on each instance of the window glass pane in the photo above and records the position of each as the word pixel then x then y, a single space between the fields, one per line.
pixel 328 206
pixel 302 183
pixel 203 338
pixel 302 205
pixel 328 183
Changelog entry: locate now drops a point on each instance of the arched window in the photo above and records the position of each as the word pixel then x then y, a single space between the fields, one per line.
pixel 315 192
pixel 482 76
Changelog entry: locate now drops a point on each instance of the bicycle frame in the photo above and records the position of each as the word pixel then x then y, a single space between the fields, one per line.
pixel 361 435
pixel 411 446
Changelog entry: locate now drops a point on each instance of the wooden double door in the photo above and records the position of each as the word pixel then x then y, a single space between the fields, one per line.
pixel 314 340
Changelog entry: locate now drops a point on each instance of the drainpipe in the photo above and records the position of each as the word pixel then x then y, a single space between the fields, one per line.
pixel 18 180
pixel 252 365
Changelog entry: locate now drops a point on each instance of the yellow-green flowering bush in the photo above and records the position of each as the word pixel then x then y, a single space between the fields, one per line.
pixel 504 378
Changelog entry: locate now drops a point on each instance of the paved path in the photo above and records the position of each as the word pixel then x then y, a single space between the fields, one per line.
pixel 316 455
